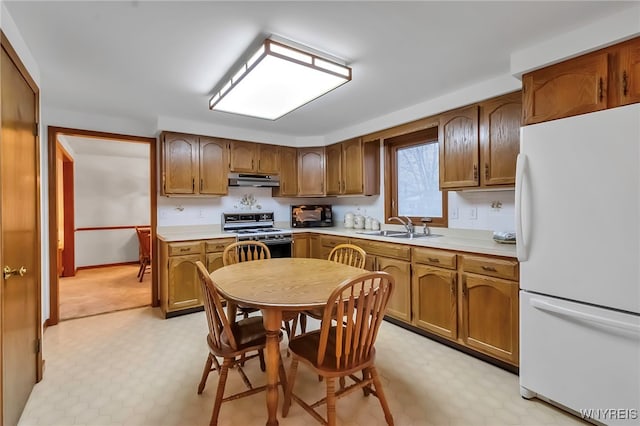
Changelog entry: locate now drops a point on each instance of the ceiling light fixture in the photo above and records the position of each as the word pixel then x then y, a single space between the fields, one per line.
pixel 276 80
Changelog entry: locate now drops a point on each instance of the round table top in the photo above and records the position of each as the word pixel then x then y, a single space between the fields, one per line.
pixel 292 283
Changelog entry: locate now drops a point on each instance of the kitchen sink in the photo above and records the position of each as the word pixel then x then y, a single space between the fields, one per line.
pixel 399 234
pixel 383 233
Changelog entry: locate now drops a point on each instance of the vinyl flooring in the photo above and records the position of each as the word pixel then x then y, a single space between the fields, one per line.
pixel 133 368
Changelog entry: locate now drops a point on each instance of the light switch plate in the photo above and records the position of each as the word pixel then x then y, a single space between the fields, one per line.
pixel 473 213
pixel 454 213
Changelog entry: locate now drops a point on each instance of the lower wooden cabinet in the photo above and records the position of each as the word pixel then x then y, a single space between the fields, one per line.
pixel 179 283
pixel 328 242
pixel 394 259
pixel 435 305
pixel 399 305
pixel 490 313
pixel 301 245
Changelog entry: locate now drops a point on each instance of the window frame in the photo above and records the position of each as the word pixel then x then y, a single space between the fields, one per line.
pixel 391 146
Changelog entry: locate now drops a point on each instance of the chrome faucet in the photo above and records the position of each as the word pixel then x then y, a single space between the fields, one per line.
pixel 407 225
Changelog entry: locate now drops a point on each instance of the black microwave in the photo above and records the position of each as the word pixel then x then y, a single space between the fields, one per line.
pixel 311 216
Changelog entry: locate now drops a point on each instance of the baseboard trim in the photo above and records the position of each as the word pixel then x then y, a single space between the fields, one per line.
pixel 498 363
pixel 106 265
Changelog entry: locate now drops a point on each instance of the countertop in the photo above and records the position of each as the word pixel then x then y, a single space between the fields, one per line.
pixel 466 240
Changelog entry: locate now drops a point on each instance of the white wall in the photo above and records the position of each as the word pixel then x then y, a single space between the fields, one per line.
pixel 110 191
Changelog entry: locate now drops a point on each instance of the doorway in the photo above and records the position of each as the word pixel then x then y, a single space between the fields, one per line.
pixel 73 249
pixel 20 313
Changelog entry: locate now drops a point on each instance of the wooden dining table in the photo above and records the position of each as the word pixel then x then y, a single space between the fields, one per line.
pixel 275 286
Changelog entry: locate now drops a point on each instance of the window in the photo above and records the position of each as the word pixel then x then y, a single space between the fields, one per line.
pixel 412 176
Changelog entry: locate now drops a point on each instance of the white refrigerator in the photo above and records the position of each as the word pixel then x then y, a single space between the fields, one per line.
pixel 578 243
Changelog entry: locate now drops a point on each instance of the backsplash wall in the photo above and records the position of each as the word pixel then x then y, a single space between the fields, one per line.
pixel 462 205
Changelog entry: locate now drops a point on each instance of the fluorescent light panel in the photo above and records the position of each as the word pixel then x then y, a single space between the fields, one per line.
pixel 276 80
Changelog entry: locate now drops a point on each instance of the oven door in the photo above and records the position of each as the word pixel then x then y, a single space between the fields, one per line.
pixel 279 248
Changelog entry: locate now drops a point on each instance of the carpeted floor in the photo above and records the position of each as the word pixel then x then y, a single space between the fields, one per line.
pixel 99 290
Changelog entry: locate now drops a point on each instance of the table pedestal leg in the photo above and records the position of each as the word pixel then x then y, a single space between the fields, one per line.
pixel 272 320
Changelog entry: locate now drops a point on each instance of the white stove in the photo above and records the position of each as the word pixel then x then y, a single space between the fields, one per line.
pixel 256 227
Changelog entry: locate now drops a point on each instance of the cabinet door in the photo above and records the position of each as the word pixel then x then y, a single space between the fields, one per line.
pixel 458 140
pixel 184 284
pixel 301 245
pixel 315 248
pixel 434 300
pixel 334 169
pixel 213 166
pixel 400 303
pixel 629 73
pixel 243 157
pixel 179 163
pixel 577 86
pixel 500 139
pixel 268 159
pixel 352 163
pixel 288 173
pixel 214 261
pixel 311 171
pixel 490 316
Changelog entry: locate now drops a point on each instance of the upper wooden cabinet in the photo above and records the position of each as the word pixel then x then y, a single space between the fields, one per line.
pixel 353 168
pixel 193 165
pixel 288 173
pixel 479 144
pixel 603 79
pixel 565 89
pixel 458 145
pixel 500 139
pixel 268 159
pixel 311 174
pixel 249 157
pixel 243 157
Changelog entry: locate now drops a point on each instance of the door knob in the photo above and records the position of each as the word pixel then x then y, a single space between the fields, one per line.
pixel 7 272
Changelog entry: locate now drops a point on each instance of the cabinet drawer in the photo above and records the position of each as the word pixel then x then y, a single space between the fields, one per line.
pixel 501 268
pixel 331 241
pixel 440 258
pixel 213 246
pixel 397 251
pixel 177 249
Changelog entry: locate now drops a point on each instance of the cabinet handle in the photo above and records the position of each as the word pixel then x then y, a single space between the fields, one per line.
pixel 464 289
pixel 489 268
pixel 182 250
pixel 453 287
pixel 193 184
pixel 259 164
pixel 625 83
pixel 486 170
pixel 201 183
pixel 601 89
pixel 475 171
pixel 433 259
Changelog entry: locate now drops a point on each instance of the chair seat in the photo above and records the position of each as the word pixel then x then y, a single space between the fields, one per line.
pixel 247 332
pixel 306 347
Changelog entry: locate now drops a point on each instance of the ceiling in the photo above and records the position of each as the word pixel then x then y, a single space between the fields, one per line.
pixel 145 59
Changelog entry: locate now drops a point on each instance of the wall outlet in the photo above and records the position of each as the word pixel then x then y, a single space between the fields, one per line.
pixel 201 213
pixel 453 213
pixel 473 213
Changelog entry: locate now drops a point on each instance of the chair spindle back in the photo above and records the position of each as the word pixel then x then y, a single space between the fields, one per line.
pixel 348 254
pixel 358 305
pixel 244 251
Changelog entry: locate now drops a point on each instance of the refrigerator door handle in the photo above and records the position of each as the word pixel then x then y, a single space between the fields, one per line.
pixel 521 246
pixel 572 313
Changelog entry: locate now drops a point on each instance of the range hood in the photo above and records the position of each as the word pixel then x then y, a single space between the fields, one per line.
pixel 244 179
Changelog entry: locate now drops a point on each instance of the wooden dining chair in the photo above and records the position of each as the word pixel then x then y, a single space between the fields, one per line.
pixel 347 254
pixel 244 251
pixel 342 348
pixel 231 341
pixel 144 241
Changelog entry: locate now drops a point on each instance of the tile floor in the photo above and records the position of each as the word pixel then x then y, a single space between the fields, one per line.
pixel 134 368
